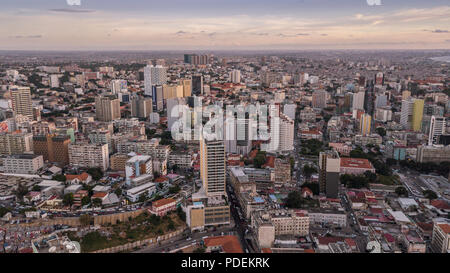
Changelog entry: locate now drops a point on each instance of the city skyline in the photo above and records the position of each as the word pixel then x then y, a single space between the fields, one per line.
pixel 224 25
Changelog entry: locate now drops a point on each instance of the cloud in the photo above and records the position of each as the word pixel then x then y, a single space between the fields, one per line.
pixel 440 31
pixel 181 32
pixel 72 10
pixel 302 34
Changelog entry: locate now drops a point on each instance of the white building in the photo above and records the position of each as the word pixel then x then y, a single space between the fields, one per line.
pixel 23 164
pixel 235 76
pixel 437 128
pixel 118 86
pixel 148 189
pixel 358 100
pixel 89 155
pixel 154 75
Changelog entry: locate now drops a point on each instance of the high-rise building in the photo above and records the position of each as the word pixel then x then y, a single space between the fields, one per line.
pixel 437 128
pixel 213 166
pixel 107 108
pixel 21 101
pixel 173 111
pixel 16 143
pixel 101 137
pixel 440 241
pixel 417 115
pixel 86 155
pixel 154 75
pixel 329 171
pixel 319 99
pixel 118 86
pixel 141 107
pixel 187 87
pixel 158 97
pixel 235 76
pixel 54 148
pixel 379 78
pixel 197 85
pixel 196 59
pixel 364 124
pixel 412 114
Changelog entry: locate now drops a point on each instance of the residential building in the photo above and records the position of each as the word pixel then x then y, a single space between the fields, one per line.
pixel 23 164
pixel 54 148
pixel 89 155
pixel 107 108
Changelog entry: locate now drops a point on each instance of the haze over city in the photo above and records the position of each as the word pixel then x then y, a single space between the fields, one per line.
pixel 224 25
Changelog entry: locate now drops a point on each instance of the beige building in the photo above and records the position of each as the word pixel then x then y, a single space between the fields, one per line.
pixel 16 143
pixel 141 107
pixel 440 242
pixel 23 164
pixel 209 205
pixel 54 148
pixel 89 155
pixel 107 108
pixel 118 161
pixel 269 224
pixel 187 87
pixel 282 170
pixel 213 166
pixel 21 101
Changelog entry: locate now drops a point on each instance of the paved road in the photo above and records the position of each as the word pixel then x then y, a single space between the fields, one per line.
pixel 181 241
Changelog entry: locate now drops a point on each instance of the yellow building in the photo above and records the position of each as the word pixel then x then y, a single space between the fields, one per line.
pixel 417 115
pixel 364 124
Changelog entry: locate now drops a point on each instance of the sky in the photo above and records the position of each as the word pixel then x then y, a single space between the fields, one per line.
pixel 223 24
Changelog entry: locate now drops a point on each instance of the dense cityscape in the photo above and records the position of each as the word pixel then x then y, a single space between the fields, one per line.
pixel 224 135
pixel 360 162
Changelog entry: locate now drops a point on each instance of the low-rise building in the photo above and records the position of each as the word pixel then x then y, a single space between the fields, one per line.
pixel 147 190
pixel 163 206
pixel 23 164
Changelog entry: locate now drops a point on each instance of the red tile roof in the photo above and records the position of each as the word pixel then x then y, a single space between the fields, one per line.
pixel 348 162
pixel 229 243
pixel 163 202
pixel 82 177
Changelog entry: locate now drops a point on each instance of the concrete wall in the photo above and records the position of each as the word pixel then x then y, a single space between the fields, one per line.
pixel 148 242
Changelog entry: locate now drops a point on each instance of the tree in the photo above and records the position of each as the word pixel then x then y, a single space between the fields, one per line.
pixel 85 200
pixel 200 250
pixel 401 191
pixel 96 173
pixel 381 131
pixel 260 159
pixel 97 202
pixel 294 200
pixel 429 194
pixel 174 189
pixel 59 177
pixel 371 177
pixel 308 171
pixel 118 192
pixel 68 199
pixel 181 214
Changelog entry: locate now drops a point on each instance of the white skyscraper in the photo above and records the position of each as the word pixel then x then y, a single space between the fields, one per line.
pixel 281 131
pixel 437 128
pixel 358 101
pixel 154 75
pixel 235 76
pixel 286 133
